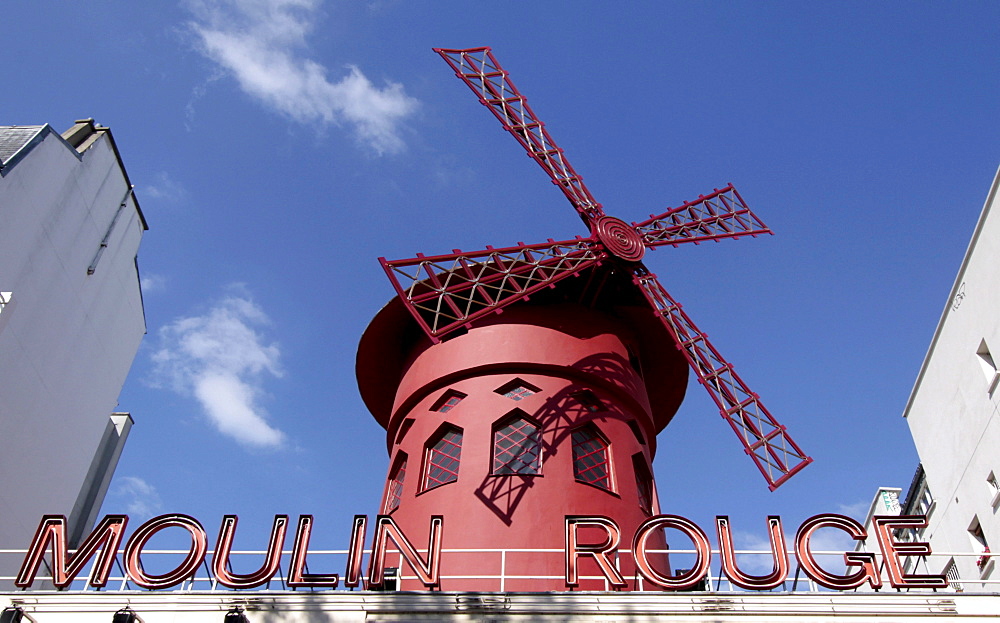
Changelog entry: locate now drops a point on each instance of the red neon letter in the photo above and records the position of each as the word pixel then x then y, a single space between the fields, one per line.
pixel 702 548
pixel 866 561
pixel 429 572
pixel 297 577
pixel 107 535
pixel 196 554
pixel 778 553
pixel 893 549
pixel 598 551
pixel 352 576
pixel 220 560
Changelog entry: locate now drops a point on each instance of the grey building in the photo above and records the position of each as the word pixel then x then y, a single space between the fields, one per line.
pixel 71 319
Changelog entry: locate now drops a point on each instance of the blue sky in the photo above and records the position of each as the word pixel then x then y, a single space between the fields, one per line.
pixel 279 147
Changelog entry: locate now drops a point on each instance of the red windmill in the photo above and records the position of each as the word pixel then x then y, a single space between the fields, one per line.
pixel 446 292
pixel 573 384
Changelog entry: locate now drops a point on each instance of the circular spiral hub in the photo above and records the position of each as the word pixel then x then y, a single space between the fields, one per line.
pixel 620 238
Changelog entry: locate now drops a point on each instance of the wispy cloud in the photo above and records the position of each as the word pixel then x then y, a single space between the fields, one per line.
pixel 262 43
pixel 824 540
pixel 221 359
pixel 164 188
pixel 858 510
pixel 140 498
pixel 152 282
pixel 755 564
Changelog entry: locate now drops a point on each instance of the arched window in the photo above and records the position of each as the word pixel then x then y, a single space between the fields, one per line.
pixel 517 447
pixel 443 458
pixel 394 492
pixel 591 463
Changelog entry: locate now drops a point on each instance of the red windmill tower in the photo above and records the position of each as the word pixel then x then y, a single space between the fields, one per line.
pixel 507 422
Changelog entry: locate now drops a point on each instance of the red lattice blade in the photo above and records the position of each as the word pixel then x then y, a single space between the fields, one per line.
pixel 490 82
pixel 722 214
pixel 777 457
pixel 445 292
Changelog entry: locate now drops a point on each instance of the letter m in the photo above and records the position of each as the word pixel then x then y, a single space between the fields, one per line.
pixel 65 566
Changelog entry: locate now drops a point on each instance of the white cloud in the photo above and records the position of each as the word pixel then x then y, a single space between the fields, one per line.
pixel 163 187
pixel 824 540
pixel 755 564
pixel 858 510
pixel 140 498
pixel 220 359
pixel 261 43
pixel 152 282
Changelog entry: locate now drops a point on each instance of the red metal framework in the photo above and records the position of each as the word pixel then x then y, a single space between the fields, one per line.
pixel 447 292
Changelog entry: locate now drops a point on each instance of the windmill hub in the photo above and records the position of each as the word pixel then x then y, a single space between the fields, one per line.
pixel 620 238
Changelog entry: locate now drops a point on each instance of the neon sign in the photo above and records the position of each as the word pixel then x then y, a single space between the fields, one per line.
pixel 104 541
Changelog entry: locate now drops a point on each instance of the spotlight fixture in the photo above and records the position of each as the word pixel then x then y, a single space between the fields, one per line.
pixel 235 615
pixel 126 615
pixel 11 614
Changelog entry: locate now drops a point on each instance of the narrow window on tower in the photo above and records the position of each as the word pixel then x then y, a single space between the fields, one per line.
pixel 989 366
pixel 635 431
pixel 517 389
pixel 589 400
pixel 591 460
pixel 517 447
pixel 394 489
pixel 643 483
pixel 444 454
pixel 633 360
pixel 448 401
pixel 403 429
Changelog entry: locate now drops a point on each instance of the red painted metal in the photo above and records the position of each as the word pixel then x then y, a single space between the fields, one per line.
pixel 447 292
pixel 478 69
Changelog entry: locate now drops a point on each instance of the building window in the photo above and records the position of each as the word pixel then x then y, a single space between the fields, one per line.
pixel 989 366
pixel 394 492
pixel 591 462
pixel 643 483
pixel 994 490
pixel 517 447
pixel 517 390
pixel 443 458
pixel 635 431
pixel 979 544
pixel 448 401
pixel 403 429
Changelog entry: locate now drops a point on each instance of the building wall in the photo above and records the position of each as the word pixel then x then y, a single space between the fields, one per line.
pixel 953 409
pixel 67 337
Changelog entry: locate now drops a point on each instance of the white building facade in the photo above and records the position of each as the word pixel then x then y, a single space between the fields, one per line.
pixel 953 416
pixel 71 319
